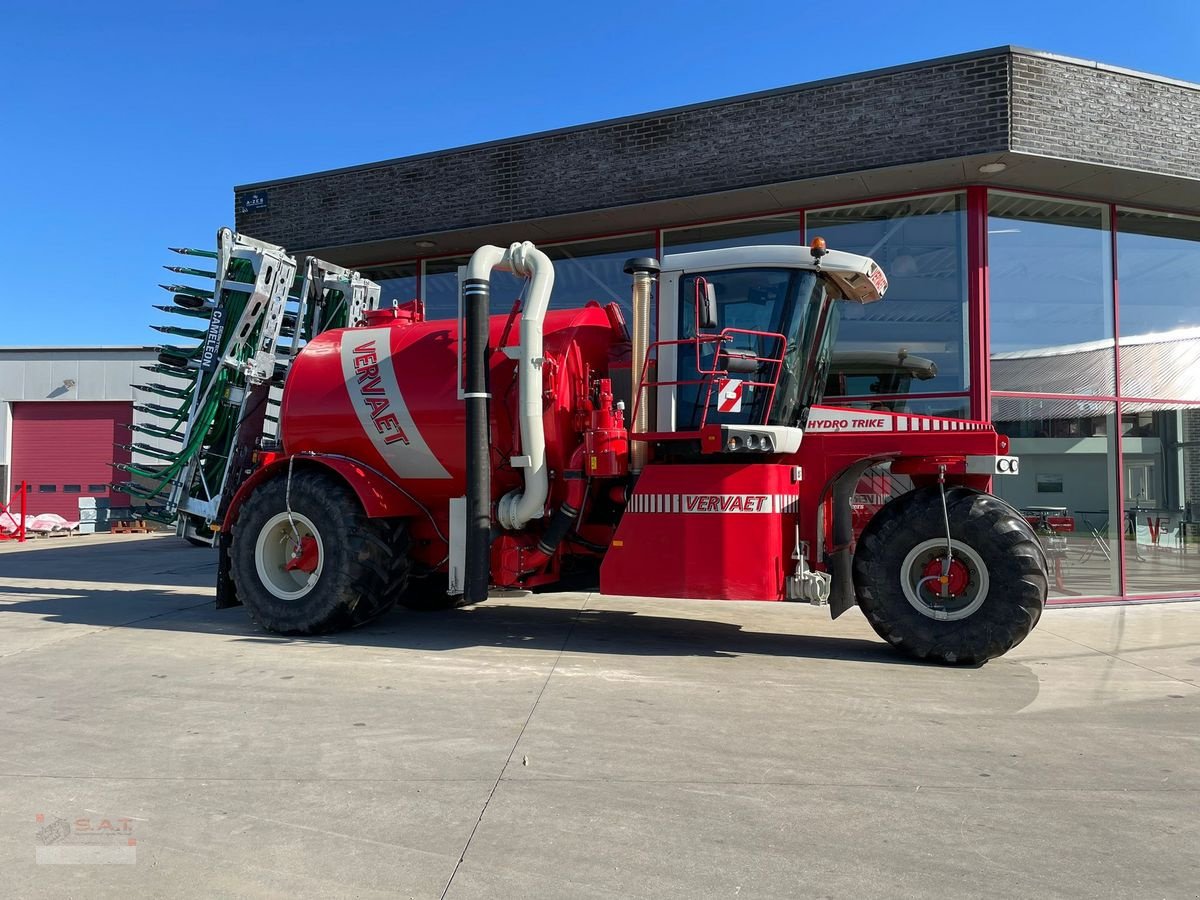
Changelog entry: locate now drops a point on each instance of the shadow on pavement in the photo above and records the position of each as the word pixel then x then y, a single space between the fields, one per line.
pixel 498 623
pixel 158 560
pixel 526 622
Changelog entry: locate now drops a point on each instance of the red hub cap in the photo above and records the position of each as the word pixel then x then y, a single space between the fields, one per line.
pixel 306 556
pixel 957 578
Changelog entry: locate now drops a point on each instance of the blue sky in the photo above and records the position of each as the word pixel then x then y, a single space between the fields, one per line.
pixel 123 131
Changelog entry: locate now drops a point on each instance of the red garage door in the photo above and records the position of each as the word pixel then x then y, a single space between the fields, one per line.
pixel 63 451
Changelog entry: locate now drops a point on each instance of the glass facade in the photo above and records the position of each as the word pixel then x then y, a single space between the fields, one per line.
pixel 1093 340
pixel 595 270
pixel 583 271
pixel 915 342
pixel 1094 302
pixel 1159 356
pixel 399 283
pixel 1050 289
pixel 1067 488
pixel 1161 477
pixel 1158 257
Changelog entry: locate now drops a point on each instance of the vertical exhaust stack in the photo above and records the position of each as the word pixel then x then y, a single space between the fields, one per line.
pixel 644 271
pixel 477 291
pixel 515 508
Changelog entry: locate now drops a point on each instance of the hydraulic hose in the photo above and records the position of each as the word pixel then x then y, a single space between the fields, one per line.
pixel 567 513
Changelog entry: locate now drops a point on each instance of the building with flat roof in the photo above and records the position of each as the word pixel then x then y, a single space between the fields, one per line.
pixel 64 414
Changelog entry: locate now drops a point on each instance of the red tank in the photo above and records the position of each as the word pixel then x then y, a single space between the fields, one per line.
pixel 387 395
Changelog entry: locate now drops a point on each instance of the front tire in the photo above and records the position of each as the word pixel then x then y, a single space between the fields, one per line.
pixel 319 566
pixel 995 581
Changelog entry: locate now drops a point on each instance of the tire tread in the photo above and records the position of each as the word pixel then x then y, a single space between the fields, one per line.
pixel 1010 548
pixel 364 559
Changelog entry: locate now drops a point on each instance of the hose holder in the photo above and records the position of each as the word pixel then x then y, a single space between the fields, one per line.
pixel 805 583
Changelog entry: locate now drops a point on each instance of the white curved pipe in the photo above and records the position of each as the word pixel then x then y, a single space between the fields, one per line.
pixel 516 508
pixel 484 260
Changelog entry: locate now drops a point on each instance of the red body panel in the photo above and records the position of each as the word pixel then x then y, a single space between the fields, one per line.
pixel 706 531
pixel 379 496
pixel 387 395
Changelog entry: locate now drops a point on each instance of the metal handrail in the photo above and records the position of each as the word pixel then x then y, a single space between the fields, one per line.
pixel 709 376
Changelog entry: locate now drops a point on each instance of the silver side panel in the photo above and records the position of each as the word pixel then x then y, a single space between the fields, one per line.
pixel 458 545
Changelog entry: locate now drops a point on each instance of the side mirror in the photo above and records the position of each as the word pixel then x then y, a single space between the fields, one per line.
pixel 706 304
pixel 740 363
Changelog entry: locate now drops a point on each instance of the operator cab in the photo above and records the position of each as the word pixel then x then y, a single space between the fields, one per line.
pixel 745 340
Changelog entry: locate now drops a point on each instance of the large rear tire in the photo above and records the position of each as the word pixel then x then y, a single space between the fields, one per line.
pixel 996 584
pixel 322 566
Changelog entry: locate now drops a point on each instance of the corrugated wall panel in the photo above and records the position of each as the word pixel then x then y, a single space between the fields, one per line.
pixel 64 449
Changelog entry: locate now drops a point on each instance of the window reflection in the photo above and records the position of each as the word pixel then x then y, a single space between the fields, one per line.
pixel 440 288
pixel 397 282
pixel 595 270
pixel 876 487
pixel 1161 458
pixel 915 341
pixel 1049 265
pixel 948 407
pixel 583 271
pixel 1066 488
pixel 1157 260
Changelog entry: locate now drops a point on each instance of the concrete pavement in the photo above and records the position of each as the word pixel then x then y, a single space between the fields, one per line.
pixel 574 745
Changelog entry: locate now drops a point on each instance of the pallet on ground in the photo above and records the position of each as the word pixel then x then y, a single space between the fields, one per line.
pixel 126 526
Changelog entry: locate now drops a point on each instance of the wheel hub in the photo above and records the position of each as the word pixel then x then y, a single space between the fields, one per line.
pixel 964 589
pixel 305 556
pixel 289 555
pixel 957 578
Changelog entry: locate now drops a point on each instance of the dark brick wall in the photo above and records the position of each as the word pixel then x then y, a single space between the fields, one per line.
pixel 945 109
pixel 1094 115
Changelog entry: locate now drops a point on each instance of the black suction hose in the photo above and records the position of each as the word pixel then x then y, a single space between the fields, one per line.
pixel 476 294
pixel 560 524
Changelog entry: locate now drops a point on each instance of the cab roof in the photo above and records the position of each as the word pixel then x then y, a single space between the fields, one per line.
pixel 859 277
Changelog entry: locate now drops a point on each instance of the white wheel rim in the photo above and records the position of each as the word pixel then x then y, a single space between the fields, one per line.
pixel 924 599
pixel 278 544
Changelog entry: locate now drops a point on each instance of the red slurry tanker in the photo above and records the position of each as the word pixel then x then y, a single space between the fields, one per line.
pixel 423 462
